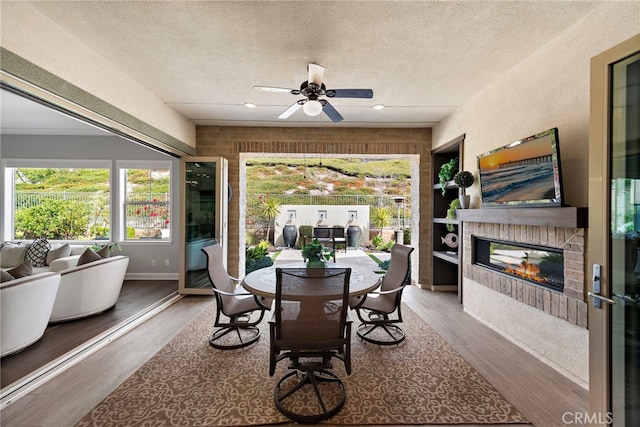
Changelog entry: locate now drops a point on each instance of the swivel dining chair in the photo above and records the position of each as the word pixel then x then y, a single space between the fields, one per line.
pixel 309 328
pixel 236 324
pixel 381 311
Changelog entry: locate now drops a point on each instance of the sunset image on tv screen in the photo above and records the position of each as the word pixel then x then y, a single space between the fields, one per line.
pixel 522 172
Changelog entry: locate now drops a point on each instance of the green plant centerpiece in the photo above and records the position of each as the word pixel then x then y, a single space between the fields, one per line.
pixel 316 255
pixel 447 172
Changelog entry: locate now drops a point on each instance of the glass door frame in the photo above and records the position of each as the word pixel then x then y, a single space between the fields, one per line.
pixel 221 217
pixel 599 223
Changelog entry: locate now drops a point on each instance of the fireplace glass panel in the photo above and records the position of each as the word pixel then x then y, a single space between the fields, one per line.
pixel 540 265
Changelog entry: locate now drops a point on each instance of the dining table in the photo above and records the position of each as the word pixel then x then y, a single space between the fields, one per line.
pixel 262 282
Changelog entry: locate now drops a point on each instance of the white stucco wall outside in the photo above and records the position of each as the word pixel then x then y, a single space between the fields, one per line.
pixel 27 33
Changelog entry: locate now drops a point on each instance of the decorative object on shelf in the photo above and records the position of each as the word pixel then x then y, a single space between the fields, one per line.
pixel 464 180
pixel 451 240
pixel 451 214
pixel 447 172
pixel 316 255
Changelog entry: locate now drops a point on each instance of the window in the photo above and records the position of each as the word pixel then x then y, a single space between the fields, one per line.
pixel 70 201
pixel 146 199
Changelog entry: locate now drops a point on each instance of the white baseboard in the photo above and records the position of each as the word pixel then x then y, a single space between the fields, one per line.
pixel 151 276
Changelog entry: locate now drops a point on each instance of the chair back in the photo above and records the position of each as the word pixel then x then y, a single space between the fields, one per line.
pixel 218 273
pixel 399 270
pixel 311 308
pixel 337 232
pixel 321 233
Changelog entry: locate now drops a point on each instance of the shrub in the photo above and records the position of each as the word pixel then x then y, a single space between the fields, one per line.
pixel 256 264
pixel 384 265
pixel 53 219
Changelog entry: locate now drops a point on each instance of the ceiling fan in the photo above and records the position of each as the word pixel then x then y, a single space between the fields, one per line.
pixel 312 90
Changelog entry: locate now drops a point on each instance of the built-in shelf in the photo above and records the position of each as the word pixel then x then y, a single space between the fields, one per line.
pixel 447 256
pixel 567 217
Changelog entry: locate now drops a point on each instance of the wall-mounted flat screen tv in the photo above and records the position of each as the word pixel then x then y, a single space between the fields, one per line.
pixel 523 173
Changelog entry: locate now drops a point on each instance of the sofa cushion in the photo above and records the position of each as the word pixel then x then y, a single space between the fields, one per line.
pixel 104 251
pixel 12 255
pixel 23 270
pixel 58 252
pixel 88 256
pixel 37 252
pixel 5 276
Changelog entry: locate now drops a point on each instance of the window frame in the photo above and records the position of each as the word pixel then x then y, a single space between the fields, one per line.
pixel 7 230
pixel 122 166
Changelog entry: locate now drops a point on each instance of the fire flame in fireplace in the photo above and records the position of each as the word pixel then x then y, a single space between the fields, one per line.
pixel 527 270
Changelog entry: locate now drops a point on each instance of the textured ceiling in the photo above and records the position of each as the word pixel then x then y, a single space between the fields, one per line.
pixel 421 58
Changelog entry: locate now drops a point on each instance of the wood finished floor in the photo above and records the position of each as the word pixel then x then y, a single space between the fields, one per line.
pixel 539 392
pixel 63 337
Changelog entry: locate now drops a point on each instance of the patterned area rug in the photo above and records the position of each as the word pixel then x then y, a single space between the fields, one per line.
pixel 189 383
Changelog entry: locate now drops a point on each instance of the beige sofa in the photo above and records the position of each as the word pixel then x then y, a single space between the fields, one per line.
pixel 88 289
pixel 25 309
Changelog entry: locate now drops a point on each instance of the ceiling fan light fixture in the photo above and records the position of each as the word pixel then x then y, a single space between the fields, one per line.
pixel 312 107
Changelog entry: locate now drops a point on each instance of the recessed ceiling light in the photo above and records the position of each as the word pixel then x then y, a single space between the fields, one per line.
pixel 249 105
pixel 378 107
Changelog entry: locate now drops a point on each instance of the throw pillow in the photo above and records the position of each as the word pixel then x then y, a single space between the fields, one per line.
pixel 37 252
pixel 23 270
pixel 5 277
pixel 58 252
pixel 12 255
pixel 88 256
pixel 104 251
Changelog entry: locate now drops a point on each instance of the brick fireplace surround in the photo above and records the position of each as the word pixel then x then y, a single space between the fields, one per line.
pixel 569 305
pixel 549 324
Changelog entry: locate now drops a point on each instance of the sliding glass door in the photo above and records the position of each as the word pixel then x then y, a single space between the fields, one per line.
pixel 204 204
pixel 614 228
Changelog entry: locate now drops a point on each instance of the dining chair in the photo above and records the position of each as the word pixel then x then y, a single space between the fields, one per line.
pixel 235 325
pixel 338 239
pixel 309 328
pixel 381 311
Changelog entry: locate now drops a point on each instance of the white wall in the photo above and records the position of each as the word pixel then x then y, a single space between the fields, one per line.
pixel 548 89
pixel 336 215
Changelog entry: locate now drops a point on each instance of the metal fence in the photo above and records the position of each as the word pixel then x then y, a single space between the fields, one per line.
pixel 373 200
pixel 143 210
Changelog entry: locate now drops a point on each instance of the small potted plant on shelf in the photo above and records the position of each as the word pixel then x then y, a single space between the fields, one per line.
pixel 446 173
pixel 464 180
pixel 316 255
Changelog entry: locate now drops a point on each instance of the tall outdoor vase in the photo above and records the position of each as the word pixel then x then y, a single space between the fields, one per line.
pixel 290 235
pixel 353 236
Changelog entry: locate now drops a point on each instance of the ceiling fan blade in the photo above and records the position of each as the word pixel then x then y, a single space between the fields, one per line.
pixel 316 73
pixel 276 89
pixel 331 112
pixel 289 111
pixel 350 93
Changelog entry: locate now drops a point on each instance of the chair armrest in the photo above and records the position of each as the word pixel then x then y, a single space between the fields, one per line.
pixel 363 298
pixel 230 294
pixel 390 291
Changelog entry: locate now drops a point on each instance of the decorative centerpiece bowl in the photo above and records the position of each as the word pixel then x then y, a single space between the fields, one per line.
pixel 316 255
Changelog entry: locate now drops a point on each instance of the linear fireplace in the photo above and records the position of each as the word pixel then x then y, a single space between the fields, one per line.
pixel 541 265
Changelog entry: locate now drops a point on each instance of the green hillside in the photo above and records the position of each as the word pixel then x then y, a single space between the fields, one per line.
pixel 327 176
